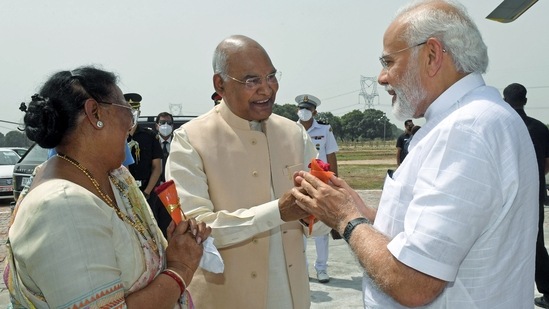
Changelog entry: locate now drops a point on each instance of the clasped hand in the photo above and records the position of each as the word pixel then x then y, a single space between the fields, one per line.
pixel 334 204
pixel 185 247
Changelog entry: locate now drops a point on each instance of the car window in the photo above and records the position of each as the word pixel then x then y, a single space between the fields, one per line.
pixel 35 154
pixel 20 151
pixel 8 157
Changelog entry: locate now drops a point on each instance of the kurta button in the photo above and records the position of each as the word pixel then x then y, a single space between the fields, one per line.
pixel 254 275
pixel 254 173
pixel 254 141
pixel 255 241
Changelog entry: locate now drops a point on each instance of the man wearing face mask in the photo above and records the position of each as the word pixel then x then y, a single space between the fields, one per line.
pixel 323 138
pixel 164 127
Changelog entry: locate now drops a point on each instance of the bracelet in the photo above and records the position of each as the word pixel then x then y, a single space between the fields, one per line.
pixel 351 226
pixel 175 276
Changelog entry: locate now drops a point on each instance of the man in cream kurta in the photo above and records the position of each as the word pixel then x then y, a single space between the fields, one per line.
pixel 229 172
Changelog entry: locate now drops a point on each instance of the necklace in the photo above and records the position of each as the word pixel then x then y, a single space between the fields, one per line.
pixel 138 225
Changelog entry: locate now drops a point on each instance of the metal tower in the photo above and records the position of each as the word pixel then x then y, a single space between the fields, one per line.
pixel 368 86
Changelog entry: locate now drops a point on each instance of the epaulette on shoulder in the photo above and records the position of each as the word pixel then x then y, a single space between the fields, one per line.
pixel 324 122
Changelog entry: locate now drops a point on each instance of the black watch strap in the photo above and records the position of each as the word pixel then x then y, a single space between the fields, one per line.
pixel 351 226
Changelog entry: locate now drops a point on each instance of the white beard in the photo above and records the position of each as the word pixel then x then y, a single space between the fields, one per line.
pixel 409 94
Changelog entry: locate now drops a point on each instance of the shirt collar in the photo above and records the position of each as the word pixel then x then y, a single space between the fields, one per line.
pixel 314 125
pixel 235 121
pixel 162 140
pixel 453 94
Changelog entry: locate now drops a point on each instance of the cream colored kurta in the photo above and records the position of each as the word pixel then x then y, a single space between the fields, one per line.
pixel 225 174
pixel 70 249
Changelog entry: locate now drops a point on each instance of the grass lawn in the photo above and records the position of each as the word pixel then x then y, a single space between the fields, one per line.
pixel 366 176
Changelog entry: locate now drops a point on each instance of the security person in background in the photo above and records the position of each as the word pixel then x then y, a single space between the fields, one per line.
pixel 515 95
pixel 147 154
pixel 164 127
pixel 216 98
pixel 323 138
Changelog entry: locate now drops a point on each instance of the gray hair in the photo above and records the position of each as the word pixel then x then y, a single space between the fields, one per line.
pixel 453 27
pixel 219 61
pixel 228 45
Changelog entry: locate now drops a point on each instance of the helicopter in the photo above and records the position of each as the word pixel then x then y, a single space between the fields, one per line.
pixel 510 10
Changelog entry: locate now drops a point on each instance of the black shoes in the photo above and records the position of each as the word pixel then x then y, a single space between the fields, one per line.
pixel 541 301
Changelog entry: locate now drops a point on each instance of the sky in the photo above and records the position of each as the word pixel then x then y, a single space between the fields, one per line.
pixel 163 49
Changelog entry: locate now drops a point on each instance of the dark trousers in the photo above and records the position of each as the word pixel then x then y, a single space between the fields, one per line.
pixel 160 213
pixel 542 258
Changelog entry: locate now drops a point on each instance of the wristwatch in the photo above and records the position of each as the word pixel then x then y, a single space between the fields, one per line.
pixel 351 226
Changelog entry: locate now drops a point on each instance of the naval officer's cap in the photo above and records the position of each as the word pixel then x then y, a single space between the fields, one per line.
pixel 307 101
pixel 134 99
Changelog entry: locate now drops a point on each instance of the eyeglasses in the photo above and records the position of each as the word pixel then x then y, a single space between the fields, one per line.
pixel 135 112
pixel 161 122
pixel 384 62
pixel 254 82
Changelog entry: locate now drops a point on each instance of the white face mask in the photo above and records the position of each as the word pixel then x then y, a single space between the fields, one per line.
pixel 304 114
pixel 165 130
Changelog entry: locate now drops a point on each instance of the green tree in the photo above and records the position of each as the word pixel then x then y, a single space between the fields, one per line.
pixel 351 124
pixel 393 131
pixel 1 139
pixel 16 139
pixel 287 110
pixel 376 123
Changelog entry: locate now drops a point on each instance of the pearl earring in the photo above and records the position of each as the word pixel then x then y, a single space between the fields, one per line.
pixel 99 124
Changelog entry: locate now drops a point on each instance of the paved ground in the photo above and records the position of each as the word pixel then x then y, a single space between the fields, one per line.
pixel 343 291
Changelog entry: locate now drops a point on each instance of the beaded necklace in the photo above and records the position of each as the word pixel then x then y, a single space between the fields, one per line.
pixel 138 225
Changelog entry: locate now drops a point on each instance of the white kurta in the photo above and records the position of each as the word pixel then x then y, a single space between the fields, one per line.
pixel 463 205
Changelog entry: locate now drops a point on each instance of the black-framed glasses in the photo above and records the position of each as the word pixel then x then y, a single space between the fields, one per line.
pixel 255 82
pixel 135 112
pixel 384 62
pixel 162 122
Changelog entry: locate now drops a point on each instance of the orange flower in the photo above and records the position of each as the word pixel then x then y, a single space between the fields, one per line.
pixel 320 170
